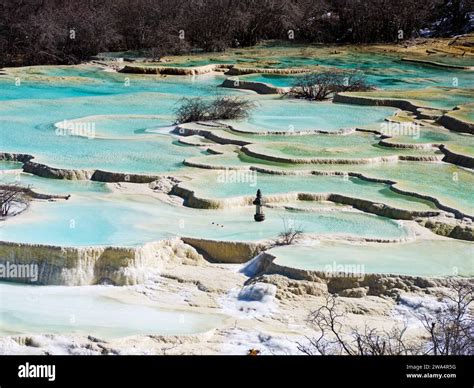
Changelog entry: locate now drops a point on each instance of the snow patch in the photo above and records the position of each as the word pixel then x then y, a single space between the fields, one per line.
pixel 259 292
pixel 410 307
pixel 251 301
pixel 240 341
pixel 44 344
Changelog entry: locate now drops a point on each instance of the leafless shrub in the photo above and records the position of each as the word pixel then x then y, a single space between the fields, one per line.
pixel 221 108
pixel 227 108
pixel 321 86
pixel 450 331
pixel 368 341
pixel 290 234
pixel 12 200
pixel 192 109
pixel 451 328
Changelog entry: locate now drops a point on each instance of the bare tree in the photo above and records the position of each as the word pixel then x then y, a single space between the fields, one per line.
pixel 13 200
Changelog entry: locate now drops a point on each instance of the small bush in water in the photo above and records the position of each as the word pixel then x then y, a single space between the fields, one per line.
pixel 221 108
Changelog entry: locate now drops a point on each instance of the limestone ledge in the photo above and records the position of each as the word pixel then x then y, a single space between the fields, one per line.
pixel 234 70
pixel 456 124
pixel 196 70
pixel 212 203
pixel 193 129
pixel 388 142
pixel 46 171
pixel 258 87
pixel 444 226
pixel 109 177
pixel 348 98
pixel 230 252
pixel 458 214
pixel 455 158
pixel 74 266
pixel 221 137
pixel 170 70
pixel 275 171
pixel 380 209
pixel 208 128
pixel 252 152
pixel 194 140
pixel 438 64
pixel 35 195
pixel 13 157
pixel 445 118
pixel 349 286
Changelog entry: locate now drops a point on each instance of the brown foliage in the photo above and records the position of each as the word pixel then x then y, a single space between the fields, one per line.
pixel 39 31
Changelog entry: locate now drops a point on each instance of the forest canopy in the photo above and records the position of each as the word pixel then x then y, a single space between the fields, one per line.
pixel 66 32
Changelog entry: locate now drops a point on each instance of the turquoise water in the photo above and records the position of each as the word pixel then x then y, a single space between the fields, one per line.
pixel 217 186
pixel 316 140
pixel 122 114
pixel 126 220
pixel 382 71
pixel 419 258
pixel 47 82
pixel 432 136
pixel 10 165
pixel 457 142
pixel 35 134
pixel 32 109
pixel 284 115
pixel 454 185
pixel 280 81
pixel 118 126
pixel 124 126
pixel 91 310
pixel 352 151
pixel 54 186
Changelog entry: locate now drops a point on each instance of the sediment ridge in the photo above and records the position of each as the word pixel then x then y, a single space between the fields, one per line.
pixel 455 158
pixel 367 206
pixel 230 252
pixel 438 64
pixel 347 98
pixel 258 87
pixel 230 69
pixel 455 124
pixel 45 171
pixel 250 151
